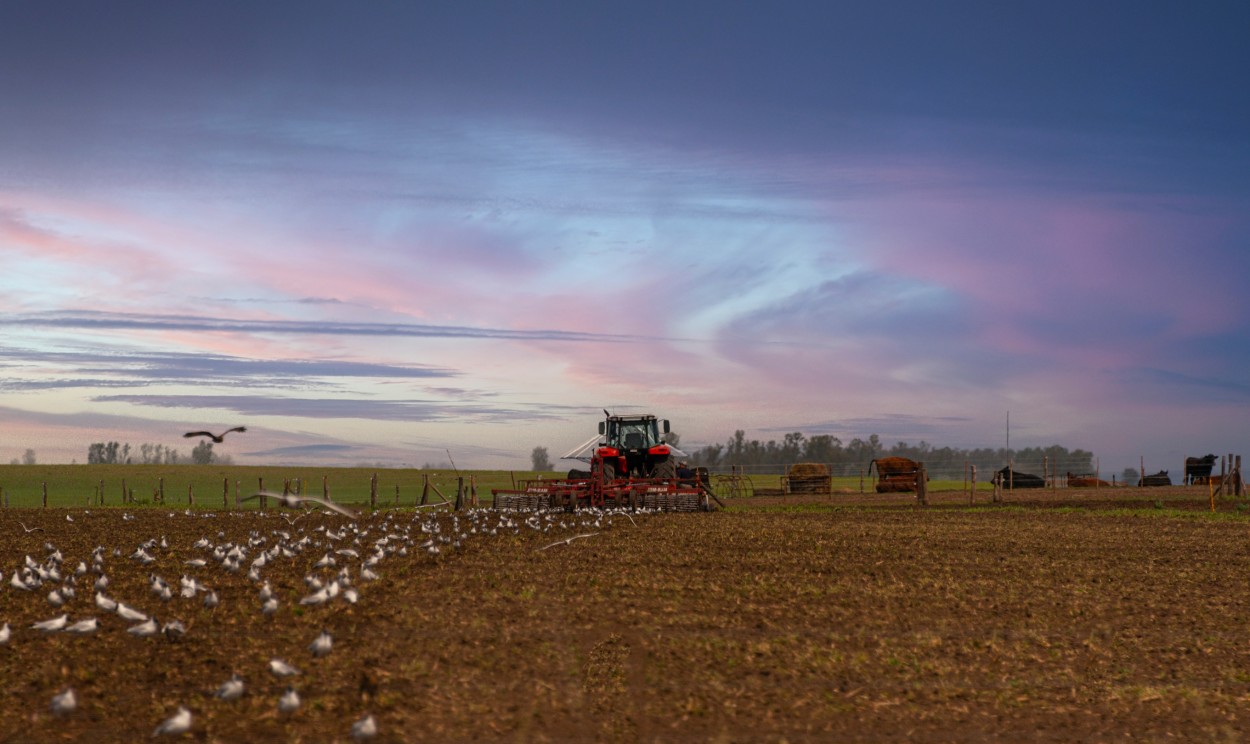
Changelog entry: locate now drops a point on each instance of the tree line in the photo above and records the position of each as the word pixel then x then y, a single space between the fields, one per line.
pixel 116 453
pixel 848 459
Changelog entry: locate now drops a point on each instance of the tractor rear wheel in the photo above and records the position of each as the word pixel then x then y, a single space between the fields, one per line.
pixel 666 469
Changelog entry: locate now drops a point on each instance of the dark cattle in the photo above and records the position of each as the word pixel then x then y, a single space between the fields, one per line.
pixel 579 474
pixel 1008 479
pixel 1158 479
pixel 1198 469
pixel 1086 481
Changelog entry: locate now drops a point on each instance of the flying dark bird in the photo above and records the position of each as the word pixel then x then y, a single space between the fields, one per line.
pixel 217 438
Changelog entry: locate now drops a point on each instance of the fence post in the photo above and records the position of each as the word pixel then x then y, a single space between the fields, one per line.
pixel 161 489
pixel 190 495
pixel 459 492
pixel 325 487
pixel 124 491
pixel 396 494
pixel 473 491
pixel 45 494
pixel 922 485
pixel 225 493
pixel 260 488
pixel 373 492
pixel 972 492
pixel 101 492
pixel 425 488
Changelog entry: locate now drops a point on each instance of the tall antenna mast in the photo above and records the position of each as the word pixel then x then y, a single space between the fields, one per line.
pixel 1008 430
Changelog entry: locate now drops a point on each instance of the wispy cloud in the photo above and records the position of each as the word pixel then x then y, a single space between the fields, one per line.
pixel 329 408
pixel 90 368
pixel 88 320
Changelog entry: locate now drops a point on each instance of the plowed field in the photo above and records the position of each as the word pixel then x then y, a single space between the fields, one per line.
pixel 799 622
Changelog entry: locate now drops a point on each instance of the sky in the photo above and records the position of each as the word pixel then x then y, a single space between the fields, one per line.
pixel 419 233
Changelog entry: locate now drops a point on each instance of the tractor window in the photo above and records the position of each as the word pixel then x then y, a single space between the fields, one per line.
pixel 638 435
pixel 633 434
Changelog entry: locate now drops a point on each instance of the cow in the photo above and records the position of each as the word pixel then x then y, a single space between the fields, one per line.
pixel 1158 479
pixel 1198 469
pixel 1007 478
pixel 1086 481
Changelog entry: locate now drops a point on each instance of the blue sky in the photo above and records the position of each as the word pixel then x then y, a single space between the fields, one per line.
pixel 376 233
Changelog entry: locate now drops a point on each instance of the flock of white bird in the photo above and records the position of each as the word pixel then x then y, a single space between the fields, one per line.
pixel 342 557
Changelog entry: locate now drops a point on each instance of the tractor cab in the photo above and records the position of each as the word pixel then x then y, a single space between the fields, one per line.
pixel 637 433
pixel 634 446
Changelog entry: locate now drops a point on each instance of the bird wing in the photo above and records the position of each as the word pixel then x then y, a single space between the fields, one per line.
pixel 342 510
pixel 237 428
pixel 198 434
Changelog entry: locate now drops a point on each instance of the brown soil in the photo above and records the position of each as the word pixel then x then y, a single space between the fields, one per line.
pixel 807 624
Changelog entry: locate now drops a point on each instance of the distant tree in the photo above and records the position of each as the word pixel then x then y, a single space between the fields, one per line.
pixel 822 448
pixel 1130 476
pixel 203 453
pixel 792 447
pixel 541 460
pixel 101 453
pixel 29 457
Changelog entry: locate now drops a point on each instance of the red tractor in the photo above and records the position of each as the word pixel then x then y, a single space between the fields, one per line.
pixel 631 466
pixel 633 447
